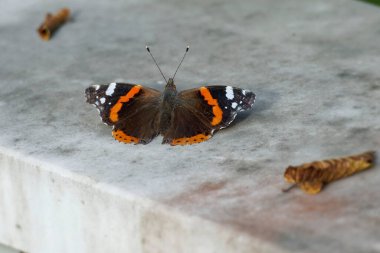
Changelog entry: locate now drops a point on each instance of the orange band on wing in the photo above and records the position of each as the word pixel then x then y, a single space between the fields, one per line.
pixel 122 137
pixel 123 99
pixel 190 140
pixel 216 110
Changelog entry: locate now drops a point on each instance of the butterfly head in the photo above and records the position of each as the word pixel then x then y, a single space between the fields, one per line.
pixel 170 83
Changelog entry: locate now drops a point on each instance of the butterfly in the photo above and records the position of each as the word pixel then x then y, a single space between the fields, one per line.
pixel 138 114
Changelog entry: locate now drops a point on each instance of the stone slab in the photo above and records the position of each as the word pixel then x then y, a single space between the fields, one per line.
pixel 314 66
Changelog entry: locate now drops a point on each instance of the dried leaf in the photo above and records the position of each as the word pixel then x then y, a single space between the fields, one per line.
pixel 52 23
pixel 311 177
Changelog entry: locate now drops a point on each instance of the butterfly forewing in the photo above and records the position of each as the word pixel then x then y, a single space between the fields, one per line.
pixel 131 109
pixel 219 104
pixel 231 100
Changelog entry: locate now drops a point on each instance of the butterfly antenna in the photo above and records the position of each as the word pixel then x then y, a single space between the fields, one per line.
pixel 187 50
pixel 148 49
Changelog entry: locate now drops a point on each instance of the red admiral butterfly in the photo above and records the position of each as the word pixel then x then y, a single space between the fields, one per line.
pixel 138 114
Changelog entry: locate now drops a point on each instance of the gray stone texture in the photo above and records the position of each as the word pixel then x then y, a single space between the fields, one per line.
pixel 314 66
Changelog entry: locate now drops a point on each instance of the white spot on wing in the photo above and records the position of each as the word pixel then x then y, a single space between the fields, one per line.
pixel 233 105
pixel 244 91
pixel 96 87
pixel 102 100
pixel 229 92
pixel 110 89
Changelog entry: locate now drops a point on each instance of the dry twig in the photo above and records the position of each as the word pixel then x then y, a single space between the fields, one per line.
pixel 52 23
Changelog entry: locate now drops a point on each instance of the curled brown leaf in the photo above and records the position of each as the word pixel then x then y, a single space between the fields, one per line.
pixel 311 177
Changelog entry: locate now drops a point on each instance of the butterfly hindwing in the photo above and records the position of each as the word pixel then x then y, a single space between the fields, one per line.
pixel 131 109
pixel 188 126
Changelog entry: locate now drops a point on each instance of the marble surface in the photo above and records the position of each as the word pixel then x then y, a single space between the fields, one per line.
pixel 314 66
pixel 4 249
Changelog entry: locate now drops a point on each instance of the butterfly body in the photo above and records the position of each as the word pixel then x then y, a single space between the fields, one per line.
pixel 167 104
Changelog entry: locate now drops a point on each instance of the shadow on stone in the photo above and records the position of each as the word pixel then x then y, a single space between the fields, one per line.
pixel 265 99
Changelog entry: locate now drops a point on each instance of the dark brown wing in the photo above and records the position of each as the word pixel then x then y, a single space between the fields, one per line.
pixel 199 112
pixel 188 126
pixel 131 109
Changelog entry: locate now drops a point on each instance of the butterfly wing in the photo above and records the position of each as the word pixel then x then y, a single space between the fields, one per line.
pixel 188 126
pixel 199 112
pixel 131 109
